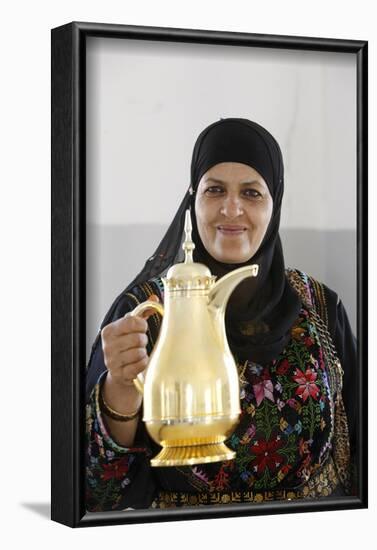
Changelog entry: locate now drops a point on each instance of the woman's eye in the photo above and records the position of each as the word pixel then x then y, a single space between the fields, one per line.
pixel 214 190
pixel 252 193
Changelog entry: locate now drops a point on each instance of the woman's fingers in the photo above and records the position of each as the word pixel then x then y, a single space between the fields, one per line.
pixel 124 344
pixel 129 324
pixel 126 374
pixel 119 344
pixel 116 361
pixel 131 356
pixel 124 326
pixel 130 341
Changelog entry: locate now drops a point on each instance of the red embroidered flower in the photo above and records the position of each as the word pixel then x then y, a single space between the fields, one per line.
pixel 267 455
pixel 307 386
pixel 308 341
pixel 116 469
pixel 266 375
pixel 221 479
pixel 283 368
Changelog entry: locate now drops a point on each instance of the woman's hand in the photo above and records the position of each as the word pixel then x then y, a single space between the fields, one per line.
pixel 124 346
pixel 124 349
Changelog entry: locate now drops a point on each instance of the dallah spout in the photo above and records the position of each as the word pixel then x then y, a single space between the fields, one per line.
pixel 219 294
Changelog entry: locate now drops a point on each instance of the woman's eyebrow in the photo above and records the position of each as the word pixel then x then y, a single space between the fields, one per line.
pixel 216 180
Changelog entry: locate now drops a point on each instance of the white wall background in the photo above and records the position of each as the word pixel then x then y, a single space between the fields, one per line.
pixel 147 101
pixel 25 272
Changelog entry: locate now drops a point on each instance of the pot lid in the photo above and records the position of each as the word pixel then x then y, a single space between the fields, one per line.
pixel 189 274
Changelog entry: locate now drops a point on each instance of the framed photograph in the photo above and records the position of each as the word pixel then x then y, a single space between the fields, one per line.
pixel 179 157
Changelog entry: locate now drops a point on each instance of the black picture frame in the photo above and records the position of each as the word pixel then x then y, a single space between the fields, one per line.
pixel 69 270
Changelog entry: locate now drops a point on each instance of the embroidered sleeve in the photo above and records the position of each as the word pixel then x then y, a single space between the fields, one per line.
pixel 115 476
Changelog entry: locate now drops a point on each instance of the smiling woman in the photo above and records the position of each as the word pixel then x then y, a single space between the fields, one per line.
pixel 289 335
pixel 233 208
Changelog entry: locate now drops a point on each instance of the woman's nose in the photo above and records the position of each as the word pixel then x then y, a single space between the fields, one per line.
pixel 231 207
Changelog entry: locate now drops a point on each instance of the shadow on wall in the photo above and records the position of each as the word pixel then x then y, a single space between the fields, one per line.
pixel 116 254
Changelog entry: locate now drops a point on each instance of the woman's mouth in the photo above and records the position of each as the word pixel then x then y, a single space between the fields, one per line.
pixel 231 229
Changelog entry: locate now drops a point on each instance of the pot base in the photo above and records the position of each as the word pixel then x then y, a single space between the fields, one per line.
pixel 194 454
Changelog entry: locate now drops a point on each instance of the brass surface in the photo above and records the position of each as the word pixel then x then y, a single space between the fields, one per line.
pixel 191 387
pixel 192 454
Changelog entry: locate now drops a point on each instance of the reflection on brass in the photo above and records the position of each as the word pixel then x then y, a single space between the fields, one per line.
pixel 191 388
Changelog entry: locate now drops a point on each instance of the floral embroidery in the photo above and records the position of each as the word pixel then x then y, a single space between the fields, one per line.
pixel 116 469
pixel 266 454
pixel 283 367
pixel 285 408
pixel 221 479
pixel 307 386
pixel 263 389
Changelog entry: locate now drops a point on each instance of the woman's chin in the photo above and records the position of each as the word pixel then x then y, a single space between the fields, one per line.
pixel 231 258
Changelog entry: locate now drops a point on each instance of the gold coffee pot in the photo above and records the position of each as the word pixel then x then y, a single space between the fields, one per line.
pixel 191 388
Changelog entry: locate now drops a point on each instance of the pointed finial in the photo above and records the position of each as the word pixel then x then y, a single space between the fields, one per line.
pixel 188 246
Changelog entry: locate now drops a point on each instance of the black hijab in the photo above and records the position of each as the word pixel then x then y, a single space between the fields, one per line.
pixel 260 329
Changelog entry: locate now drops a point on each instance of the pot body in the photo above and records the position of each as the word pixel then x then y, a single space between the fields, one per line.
pixel 191 388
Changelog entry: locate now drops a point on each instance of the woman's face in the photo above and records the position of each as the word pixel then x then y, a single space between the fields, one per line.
pixel 233 207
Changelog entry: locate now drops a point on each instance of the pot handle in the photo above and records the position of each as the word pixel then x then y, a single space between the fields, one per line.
pixel 149 304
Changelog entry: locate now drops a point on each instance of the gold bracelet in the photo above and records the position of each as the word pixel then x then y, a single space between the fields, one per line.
pixel 105 408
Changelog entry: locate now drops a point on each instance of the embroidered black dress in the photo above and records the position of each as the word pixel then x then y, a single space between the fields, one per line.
pixel 291 441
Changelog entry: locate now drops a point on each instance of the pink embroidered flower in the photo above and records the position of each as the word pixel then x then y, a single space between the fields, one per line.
pixel 263 389
pixel 307 386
